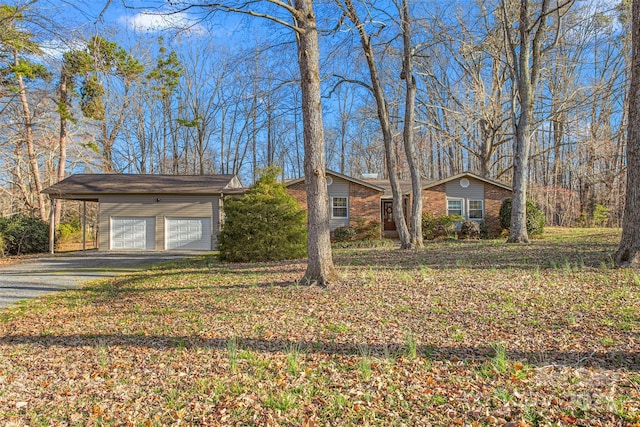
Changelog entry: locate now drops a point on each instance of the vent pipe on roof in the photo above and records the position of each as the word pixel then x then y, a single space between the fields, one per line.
pixel 369 176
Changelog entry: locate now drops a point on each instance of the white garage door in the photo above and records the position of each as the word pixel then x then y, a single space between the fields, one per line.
pixel 133 233
pixel 188 233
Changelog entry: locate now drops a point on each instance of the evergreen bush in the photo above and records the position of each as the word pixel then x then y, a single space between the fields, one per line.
pixel 470 230
pixel 443 226
pixel 485 233
pixel 344 234
pixel 428 226
pixel 535 217
pixel 264 224
pixel 23 234
pixel 360 230
pixel 366 230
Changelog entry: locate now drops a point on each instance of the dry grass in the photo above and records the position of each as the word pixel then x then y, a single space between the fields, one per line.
pixel 467 333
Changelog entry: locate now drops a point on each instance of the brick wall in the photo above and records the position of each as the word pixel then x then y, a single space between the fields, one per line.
pixel 364 202
pixel 299 192
pixel 493 198
pixel 434 201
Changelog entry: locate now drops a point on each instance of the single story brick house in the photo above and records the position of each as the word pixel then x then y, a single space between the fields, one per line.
pixel 468 195
pixel 349 198
pixel 152 212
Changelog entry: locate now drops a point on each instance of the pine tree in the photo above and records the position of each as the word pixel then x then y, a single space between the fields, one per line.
pixel 264 224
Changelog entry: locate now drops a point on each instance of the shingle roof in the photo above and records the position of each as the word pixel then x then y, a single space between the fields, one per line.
pixel 405 186
pixel 366 182
pixel 102 184
pixel 466 174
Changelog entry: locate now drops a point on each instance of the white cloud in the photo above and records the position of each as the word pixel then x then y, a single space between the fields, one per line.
pixel 156 22
pixel 55 49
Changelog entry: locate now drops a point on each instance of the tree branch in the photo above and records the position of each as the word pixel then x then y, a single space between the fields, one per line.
pixel 343 79
pixel 242 8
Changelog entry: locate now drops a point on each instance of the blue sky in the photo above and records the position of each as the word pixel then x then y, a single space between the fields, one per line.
pixel 122 21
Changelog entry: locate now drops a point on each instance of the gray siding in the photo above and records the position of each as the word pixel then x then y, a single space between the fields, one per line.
pixel 475 191
pixel 339 188
pixel 217 220
pixel 158 207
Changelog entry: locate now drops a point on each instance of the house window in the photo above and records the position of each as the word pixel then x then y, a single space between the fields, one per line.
pixel 454 207
pixel 339 207
pixel 476 209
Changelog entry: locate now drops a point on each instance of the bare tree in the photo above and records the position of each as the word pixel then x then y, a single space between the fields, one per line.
pixel 299 16
pixel 165 78
pixel 527 51
pixel 384 118
pixel 320 267
pixel 628 254
pixel 201 97
pixel 408 134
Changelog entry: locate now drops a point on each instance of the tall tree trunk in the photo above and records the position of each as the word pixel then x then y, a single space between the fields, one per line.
pixel 18 179
pixel 107 149
pixel 320 269
pixel 628 254
pixel 109 136
pixel 28 139
pixel 62 160
pixel 526 60
pixel 409 132
pixel 385 125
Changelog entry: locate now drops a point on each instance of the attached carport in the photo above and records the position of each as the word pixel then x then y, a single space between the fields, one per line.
pixel 150 212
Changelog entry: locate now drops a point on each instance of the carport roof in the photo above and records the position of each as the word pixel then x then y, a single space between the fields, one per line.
pixel 92 186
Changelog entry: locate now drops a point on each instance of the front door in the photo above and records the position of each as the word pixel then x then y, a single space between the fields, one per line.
pixel 388 221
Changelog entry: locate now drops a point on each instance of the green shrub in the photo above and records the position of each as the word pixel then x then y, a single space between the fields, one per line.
pixel 344 234
pixel 443 226
pixel 485 233
pixel 22 234
pixel 535 222
pixel 359 231
pixel 366 230
pixel 600 215
pixel 428 226
pixel 67 232
pixel 596 215
pixel 535 217
pixel 264 224
pixel 470 230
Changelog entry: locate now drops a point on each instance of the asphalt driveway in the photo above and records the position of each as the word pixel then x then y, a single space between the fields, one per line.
pixel 33 277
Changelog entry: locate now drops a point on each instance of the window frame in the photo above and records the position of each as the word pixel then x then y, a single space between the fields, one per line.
pixel 334 207
pixel 455 199
pixel 469 209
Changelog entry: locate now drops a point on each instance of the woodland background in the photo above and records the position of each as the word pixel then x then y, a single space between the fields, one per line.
pixel 196 94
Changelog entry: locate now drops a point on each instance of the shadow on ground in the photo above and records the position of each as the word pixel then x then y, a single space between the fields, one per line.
pixel 576 359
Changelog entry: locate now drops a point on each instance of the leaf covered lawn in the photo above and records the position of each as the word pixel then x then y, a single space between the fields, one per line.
pixel 460 333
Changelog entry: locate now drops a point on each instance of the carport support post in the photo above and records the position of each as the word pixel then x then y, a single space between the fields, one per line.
pixel 84 225
pixel 52 226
